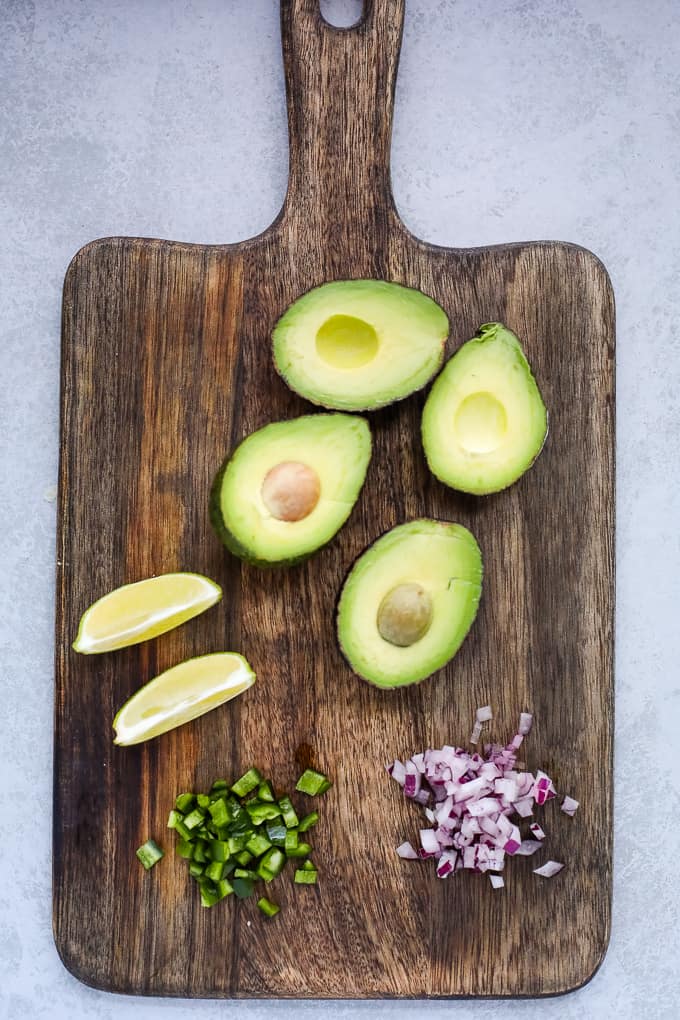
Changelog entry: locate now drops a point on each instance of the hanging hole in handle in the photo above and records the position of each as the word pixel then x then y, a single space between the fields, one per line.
pixel 342 13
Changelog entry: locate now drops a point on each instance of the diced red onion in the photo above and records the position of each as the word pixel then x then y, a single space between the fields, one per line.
pixel 471 801
pixel 496 881
pixel 524 807
pixel 569 806
pixel 549 869
pixel 476 733
pixel 513 840
pixel 446 865
pixel 428 841
pixel 526 721
pixel 528 847
pixel 407 852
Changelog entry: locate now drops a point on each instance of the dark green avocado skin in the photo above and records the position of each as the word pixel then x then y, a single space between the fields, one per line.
pixel 228 539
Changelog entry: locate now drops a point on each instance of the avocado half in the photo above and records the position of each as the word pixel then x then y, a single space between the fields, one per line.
pixel 357 345
pixel 289 487
pixel 409 601
pixel 484 422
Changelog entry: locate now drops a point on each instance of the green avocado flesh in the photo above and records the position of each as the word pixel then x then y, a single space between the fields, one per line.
pixel 360 344
pixel 484 422
pixel 289 487
pixel 409 601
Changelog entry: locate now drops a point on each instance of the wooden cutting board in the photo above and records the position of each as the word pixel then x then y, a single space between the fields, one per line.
pixel 166 365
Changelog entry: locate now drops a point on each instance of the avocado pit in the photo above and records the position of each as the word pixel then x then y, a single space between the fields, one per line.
pixel 405 614
pixel 291 490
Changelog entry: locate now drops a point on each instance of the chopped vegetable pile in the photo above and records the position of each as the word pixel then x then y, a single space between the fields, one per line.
pixel 471 802
pixel 235 836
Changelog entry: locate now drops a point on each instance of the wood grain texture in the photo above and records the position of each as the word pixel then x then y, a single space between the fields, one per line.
pixel 166 365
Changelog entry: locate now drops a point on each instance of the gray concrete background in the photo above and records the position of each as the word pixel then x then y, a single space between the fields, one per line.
pixel 515 119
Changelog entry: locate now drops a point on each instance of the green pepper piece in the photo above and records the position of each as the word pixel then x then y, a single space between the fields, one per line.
pixel 149 853
pixel 258 844
pixel 260 813
pixel 305 877
pixel 308 821
pixel 201 851
pixel 265 792
pixel 209 894
pixel 219 812
pixel 243 887
pixel 185 802
pixel 276 832
pixel 267 907
pixel 224 888
pixel 246 783
pixel 195 818
pixel 183 832
pixel 288 812
pixel 218 785
pixel 313 783
pixel 185 849
pixel 271 864
pixel 218 850
pixel 196 870
pixel 301 850
pixel 214 870
pixel 292 840
pixel 246 873
pixel 203 800
pixel 237 843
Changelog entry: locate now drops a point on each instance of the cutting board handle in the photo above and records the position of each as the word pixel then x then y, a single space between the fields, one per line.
pixel 340 89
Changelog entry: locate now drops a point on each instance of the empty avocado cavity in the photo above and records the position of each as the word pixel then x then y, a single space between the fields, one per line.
pixel 360 344
pixel 484 422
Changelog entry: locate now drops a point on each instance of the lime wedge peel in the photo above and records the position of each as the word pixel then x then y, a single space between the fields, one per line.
pixel 144 610
pixel 180 694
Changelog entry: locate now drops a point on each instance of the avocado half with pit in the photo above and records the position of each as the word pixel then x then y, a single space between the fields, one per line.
pixel 289 487
pixel 484 422
pixel 357 345
pixel 409 601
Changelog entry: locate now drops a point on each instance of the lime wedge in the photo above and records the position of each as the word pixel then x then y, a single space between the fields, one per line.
pixel 181 694
pixel 137 612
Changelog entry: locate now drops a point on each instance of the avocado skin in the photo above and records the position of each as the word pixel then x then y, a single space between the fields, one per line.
pixel 229 540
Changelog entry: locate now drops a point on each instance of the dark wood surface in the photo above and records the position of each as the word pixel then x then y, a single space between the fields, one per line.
pixel 166 365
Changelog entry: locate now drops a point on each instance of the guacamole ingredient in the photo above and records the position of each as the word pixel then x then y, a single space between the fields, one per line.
pixel 472 802
pixel 268 908
pixel 549 869
pixel 288 488
pixel 232 838
pixel 409 601
pixel 357 345
pixel 181 694
pixel 143 610
pixel 149 853
pixel 314 784
pixel 484 421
